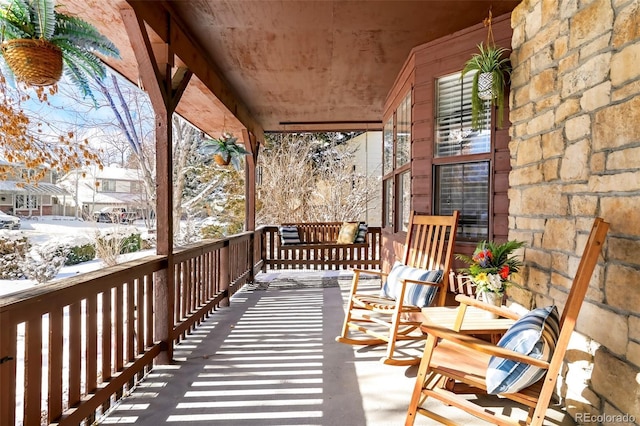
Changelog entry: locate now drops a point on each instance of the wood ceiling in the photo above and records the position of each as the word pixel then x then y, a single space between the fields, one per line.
pixel 291 64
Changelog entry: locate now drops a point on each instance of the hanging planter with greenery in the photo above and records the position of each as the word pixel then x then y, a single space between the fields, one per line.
pixel 39 44
pixel 225 150
pixel 492 69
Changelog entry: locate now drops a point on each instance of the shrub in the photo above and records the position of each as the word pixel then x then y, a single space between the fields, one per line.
pixel 12 251
pixel 112 244
pixel 212 232
pixel 79 254
pixel 42 263
pixel 131 244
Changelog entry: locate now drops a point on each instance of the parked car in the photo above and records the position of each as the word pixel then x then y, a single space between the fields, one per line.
pixel 8 221
pixel 115 215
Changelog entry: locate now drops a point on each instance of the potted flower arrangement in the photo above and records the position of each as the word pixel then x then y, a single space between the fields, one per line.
pixel 493 69
pixel 490 268
pixel 39 43
pixel 225 150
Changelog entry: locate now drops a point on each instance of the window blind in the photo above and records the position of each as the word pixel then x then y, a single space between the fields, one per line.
pixel 465 187
pixel 454 135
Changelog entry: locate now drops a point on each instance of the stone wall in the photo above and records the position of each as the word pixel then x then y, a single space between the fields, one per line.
pixel 575 154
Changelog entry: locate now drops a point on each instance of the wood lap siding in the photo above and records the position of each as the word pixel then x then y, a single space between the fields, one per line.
pixel 425 65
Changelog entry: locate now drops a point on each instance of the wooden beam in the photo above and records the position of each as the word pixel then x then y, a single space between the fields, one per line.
pixel 148 70
pixel 192 53
pixel 330 126
pixel 155 64
pixel 179 83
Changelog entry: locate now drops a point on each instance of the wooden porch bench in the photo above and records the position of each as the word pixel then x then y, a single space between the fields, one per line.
pixel 318 249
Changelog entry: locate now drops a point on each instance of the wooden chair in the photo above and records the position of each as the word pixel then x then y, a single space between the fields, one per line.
pixel 454 365
pixel 378 319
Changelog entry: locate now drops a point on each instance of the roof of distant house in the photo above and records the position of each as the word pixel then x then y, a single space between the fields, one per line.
pixel 42 188
pixel 112 172
pixel 108 172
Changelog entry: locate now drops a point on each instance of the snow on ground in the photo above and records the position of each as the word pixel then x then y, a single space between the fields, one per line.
pixel 64 229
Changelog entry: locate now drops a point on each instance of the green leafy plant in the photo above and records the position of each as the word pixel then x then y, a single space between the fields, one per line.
pixel 78 41
pixel 491 60
pixel 224 150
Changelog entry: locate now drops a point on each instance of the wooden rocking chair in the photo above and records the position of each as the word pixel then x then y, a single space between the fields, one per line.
pixel 423 271
pixel 454 365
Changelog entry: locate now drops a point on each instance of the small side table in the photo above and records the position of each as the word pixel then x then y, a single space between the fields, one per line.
pixel 475 321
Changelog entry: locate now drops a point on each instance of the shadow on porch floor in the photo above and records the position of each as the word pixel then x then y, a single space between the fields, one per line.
pixel 271 359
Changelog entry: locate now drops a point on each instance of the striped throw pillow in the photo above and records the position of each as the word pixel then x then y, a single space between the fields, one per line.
pixel 361 236
pixel 289 235
pixel 535 334
pixel 414 294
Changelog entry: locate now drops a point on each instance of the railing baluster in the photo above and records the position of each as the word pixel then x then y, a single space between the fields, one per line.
pixel 119 320
pixel 54 399
pixel 75 358
pixel 148 283
pixel 33 373
pixel 140 315
pixel 8 361
pixel 106 335
pixel 92 343
pixel 131 323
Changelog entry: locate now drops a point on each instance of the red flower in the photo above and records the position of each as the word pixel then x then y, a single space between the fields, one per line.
pixel 504 272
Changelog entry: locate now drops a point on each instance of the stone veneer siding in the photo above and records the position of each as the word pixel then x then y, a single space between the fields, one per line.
pixel 575 154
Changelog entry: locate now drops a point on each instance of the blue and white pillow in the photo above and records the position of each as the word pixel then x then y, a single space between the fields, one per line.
pixel 534 334
pixel 415 294
pixel 361 236
pixel 289 234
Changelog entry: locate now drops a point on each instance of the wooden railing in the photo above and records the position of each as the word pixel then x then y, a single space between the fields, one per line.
pixel 87 339
pixel 70 348
pixel 319 250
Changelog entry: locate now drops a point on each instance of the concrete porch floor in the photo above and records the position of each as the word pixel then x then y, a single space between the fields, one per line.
pixel 271 359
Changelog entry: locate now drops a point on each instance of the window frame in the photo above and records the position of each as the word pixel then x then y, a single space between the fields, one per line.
pixel 462 159
pixel 103 187
pixel 395 209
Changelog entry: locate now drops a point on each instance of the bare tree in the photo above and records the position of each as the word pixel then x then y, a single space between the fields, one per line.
pixel 29 141
pixel 131 110
pixel 311 178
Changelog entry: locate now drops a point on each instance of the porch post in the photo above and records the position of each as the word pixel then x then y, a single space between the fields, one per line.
pixel 251 145
pixel 225 272
pixel 156 63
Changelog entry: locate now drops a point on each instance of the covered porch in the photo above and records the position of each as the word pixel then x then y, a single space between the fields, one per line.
pixel 567 155
pixel 270 358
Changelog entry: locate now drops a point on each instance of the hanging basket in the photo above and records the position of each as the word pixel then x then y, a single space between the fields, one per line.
pixel 222 161
pixel 485 86
pixel 33 61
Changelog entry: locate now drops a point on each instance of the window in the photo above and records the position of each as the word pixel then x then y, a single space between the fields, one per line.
pixel 107 185
pixel 397 166
pixel 26 202
pixel 404 200
pixel 136 188
pixel 388 146
pixel 465 187
pixel 388 196
pixel 454 135
pixel 403 134
pixel 462 159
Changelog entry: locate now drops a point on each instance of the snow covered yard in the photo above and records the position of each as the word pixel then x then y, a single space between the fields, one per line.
pixel 61 230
